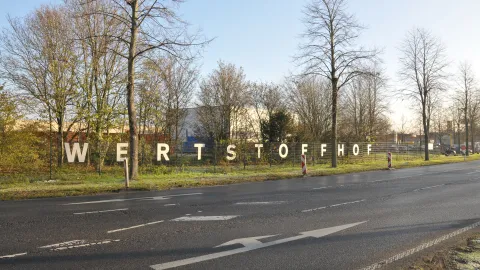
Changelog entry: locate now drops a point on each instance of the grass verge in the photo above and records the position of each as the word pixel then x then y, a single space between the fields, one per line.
pixel 465 256
pixel 77 182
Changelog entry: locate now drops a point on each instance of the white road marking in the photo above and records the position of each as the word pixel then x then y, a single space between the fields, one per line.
pixel 473 172
pixel 322 187
pixel 170 204
pixel 248 241
pixel 420 247
pixel 314 209
pixel 251 245
pixel 77 244
pixel 102 211
pixel 136 226
pixel 419 189
pixel 333 205
pixel 203 218
pixel 13 255
pixel 68 243
pixel 259 203
pixel 165 197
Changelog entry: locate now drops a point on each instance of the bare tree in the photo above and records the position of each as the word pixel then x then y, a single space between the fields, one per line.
pixel 365 106
pixel 329 50
pixel 268 99
pixel 100 75
pixel 223 101
pixel 466 97
pixel 167 85
pixel 153 26
pixel 423 65
pixel 309 99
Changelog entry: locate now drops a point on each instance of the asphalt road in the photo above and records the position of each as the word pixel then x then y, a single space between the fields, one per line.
pixel 353 221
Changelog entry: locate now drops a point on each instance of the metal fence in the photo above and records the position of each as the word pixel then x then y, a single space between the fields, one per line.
pixel 215 155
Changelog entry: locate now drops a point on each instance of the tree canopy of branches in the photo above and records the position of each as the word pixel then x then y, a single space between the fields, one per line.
pixel 329 50
pixel 364 107
pixel 310 100
pixel 153 25
pixel 223 104
pixel 423 65
pixel 38 57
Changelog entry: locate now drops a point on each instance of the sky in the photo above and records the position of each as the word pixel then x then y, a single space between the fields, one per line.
pixel 262 35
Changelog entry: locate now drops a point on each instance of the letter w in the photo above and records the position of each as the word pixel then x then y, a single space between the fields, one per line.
pixel 71 154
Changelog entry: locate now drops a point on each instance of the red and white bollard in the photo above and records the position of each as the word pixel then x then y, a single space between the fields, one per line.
pixel 389 157
pixel 304 165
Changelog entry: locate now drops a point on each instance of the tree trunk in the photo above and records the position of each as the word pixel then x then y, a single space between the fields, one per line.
pixel 60 147
pixel 334 121
pixel 471 136
pixel 466 135
pixel 132 115
pixel 425 131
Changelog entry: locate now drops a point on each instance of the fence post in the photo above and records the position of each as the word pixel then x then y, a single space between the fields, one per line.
pixel 214 157
pixel 127 179
pixel 389 157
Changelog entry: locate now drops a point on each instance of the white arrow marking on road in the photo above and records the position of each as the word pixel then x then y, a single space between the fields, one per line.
pixel 166 197
pixel 249 241
pixel 316 234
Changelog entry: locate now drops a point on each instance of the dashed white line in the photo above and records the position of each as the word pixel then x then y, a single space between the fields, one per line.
pixel 165 197
pixel 203 218
pixel 77 244
pixel 322 187
pixel 102 211
pixel 260 203
pixel 13 255
pixel 136 226
pixel 314 209
pixel 420 247
pixel 419 189
pixel 333 205
pixel 64 244
pixel 170 204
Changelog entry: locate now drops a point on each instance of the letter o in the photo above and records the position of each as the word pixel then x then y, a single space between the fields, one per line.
pixel 283 146
pixel 356 149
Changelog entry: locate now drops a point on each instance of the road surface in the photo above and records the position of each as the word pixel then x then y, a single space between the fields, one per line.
pixel 357 221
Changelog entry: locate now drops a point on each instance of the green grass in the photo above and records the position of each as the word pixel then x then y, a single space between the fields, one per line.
pixel 77 180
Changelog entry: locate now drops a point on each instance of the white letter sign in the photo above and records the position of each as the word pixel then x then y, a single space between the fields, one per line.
pixel 199 146
pixel 162 150
pixel 283 146
pixel 304 148
pixel 76 152
pixel 369 148
pixel 341 148
pixel 356 150
pixel 230 152
pixel 258 146
pixel 323 149
pixel 121 151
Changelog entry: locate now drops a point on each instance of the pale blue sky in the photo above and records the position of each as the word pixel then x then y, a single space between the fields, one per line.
pixel 262 35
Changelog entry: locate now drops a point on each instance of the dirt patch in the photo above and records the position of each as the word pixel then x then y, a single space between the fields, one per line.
pixel 464 256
